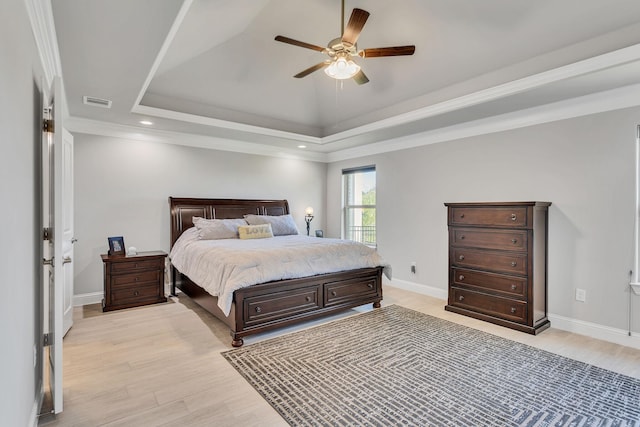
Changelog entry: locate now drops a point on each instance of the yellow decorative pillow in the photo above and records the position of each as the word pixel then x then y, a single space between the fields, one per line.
pixel 255 231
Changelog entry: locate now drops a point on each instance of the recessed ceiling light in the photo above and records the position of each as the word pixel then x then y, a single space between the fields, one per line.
pixel 302 146
pixel 146 122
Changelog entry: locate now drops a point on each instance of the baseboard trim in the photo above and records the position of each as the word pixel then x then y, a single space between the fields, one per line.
pixel 595 330
pixel 85 299
pixel 419 288
pixel 589 329
pixel 35 409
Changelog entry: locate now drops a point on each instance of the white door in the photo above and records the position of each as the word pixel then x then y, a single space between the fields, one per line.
pixel 64 225
pixel 53 248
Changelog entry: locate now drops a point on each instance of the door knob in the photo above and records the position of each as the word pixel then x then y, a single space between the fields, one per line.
pixel 66 260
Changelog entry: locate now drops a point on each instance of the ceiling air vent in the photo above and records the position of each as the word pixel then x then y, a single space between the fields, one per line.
pixel 96 102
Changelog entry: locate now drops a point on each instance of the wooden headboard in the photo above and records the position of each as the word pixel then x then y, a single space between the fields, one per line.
pixel 184 209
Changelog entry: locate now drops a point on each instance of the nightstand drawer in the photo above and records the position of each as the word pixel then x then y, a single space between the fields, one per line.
pixel 136 278
pixel 135 293
pixel 136 265
pixel 504 308
pixel 510 240
pixel 510 286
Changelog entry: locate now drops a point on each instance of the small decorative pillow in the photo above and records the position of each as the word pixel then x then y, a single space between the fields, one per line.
pixel 214 229
pixel 282 225
pixel 255 231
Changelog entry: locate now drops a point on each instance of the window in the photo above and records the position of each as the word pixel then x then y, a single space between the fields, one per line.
pixel 359 205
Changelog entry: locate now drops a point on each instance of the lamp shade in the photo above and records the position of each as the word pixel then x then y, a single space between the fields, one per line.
pixel 342 68
pixel 308 211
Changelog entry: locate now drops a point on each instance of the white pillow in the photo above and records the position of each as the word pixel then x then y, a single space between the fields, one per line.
pixel 214 229
pixel 282 225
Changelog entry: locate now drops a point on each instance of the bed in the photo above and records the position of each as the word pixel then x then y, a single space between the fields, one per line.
pixel 273 304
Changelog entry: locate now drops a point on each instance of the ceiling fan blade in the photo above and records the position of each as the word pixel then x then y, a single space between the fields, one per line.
pixel 361 78
pixel 284 39
pixel 355 25
pixel 310 70
pixel 387 51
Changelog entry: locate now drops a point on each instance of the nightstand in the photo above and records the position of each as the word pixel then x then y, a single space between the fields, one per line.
pixel 133 280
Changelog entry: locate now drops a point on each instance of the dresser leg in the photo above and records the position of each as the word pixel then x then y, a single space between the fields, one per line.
pixel 377 304
pixel 237 342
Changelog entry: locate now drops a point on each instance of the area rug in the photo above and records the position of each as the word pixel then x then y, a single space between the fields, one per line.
pixel 395 366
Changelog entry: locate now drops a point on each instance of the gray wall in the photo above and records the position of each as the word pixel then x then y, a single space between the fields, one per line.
pixel 20 77
pixel 122 189
pixel 584 166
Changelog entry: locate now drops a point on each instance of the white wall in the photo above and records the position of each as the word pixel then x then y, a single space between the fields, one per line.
pixel 122 189
pixel 584 166
pixel 20 77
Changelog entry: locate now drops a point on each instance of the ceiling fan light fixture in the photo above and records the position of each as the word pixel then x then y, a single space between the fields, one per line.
pixel 342 68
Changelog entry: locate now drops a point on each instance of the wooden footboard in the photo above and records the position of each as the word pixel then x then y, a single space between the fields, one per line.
pixel 272 305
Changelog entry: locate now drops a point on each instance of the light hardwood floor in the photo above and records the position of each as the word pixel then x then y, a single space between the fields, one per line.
pixel 160 365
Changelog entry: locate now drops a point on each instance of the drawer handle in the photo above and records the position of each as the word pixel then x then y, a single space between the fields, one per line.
pixel 514 241
pixel 514 287
pixel 308 298
pixel 137 279
pixel 462 237
pixel 370 285
pixel 258 309
pixel 513 217
pixel 461 277
pixel 136 293
pixel 461 298
pixel 461 215
pixel 513 263
pixel 513 309
pixel 136 265
pixel 461 257
pixel 334 293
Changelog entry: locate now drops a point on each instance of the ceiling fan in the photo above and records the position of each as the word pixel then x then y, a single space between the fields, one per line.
pixel 341 50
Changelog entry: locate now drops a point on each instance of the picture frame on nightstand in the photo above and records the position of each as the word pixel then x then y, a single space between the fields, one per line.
pixel 116 246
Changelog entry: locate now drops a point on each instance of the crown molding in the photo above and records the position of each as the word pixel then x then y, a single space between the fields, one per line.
pixel 43 28
pixel 96 127
pixel 577 69
pixel 625 97
pixel 615 99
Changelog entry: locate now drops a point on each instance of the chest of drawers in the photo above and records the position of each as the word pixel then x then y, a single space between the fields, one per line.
pixel 498 263
pixel 133 280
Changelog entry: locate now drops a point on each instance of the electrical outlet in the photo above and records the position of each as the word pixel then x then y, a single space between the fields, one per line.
pixel 581 295
pixel 413 267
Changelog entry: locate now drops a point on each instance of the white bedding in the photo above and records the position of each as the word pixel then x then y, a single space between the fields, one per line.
pixel 222 266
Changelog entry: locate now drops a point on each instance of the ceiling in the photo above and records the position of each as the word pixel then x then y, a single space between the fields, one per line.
pixel 211 68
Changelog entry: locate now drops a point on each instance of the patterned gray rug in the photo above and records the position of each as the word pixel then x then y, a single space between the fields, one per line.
pixel 395 366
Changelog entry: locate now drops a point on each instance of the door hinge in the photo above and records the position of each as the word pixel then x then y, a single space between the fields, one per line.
pixel 47 233
pixel 47 339
pixel 48 125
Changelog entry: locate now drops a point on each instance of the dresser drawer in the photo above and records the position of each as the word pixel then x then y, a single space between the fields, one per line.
pixel 349 290
pixel 512 240
pixel 496 306
pixel 135 293
pixel 514 263
pixel 282 304
pixel 510 286
pixel 504 216
pixel 121 280
pixel 132 266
